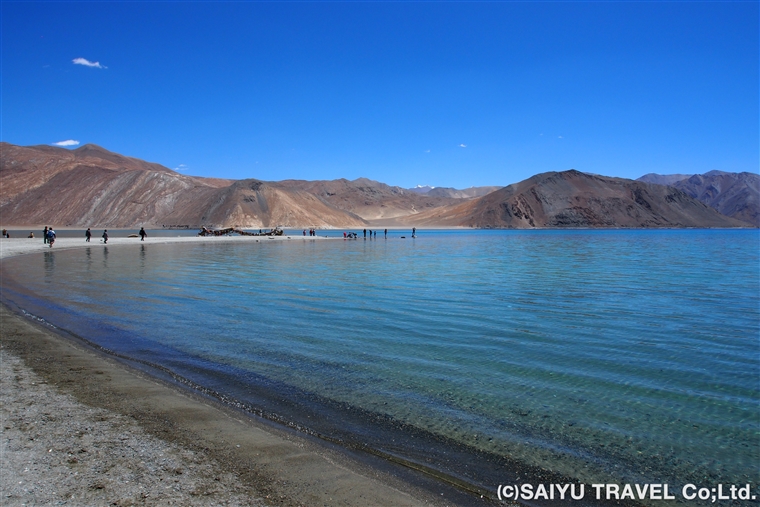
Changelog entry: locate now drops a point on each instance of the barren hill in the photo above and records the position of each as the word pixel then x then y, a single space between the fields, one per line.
pixel 734 194
pixel 575 199
pixel 91 186
pixel 663 179
pixel 369 199
pixel 254 203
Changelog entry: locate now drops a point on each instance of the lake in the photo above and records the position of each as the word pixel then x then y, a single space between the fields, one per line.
pixel 602 356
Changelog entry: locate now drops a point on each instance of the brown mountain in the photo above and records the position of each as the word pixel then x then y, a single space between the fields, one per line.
pixel 575 199
pixel 734 194
pixel 369 199
pixel 254 203
pixel 663 179
pixel 91 186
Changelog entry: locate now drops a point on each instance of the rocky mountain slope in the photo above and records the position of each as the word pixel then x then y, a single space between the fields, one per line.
pixel 91 186
pixel 734 194
pixel 663 179
pixel 369 199
pixel 575 199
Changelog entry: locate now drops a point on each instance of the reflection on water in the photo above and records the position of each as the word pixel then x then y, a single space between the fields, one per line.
pixel 623 354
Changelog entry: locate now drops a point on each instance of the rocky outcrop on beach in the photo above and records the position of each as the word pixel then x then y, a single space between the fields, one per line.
pixel 90 186
pixel 575 199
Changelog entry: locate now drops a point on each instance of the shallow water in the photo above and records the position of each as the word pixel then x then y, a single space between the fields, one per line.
pixel 630 356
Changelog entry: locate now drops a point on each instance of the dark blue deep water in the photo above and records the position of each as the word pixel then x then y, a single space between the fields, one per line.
pixel 600 355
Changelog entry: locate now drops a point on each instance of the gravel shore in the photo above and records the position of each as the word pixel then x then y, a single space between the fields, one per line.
pixel 57 451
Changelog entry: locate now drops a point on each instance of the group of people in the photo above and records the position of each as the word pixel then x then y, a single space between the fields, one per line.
pixel 312 232
pixel 88 235
pixel 372 234
pixel 48 235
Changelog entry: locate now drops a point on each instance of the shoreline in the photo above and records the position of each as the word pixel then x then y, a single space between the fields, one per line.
pixel 11 247
pixel 256 461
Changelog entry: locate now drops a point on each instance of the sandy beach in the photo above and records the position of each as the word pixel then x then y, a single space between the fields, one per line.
pixel 81 428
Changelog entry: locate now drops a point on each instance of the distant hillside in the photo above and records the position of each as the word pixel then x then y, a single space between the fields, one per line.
pixel 734 194
pixel 575 199
pixel 467 193
pixel 91 186
pixel 369 199
pixel 253 202
pixel 663 179
pixel 421 189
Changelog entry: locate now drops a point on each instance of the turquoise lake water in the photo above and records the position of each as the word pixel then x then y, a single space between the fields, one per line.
pixel 614 356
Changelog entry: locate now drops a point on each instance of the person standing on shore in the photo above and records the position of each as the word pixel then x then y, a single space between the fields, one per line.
pixel 142 233
pixel 51 236
pixel 386 233
pixel 105 236
pixel 44 235
pixel 88 235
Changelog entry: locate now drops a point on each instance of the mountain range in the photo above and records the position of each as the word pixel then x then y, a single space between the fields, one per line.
pixel 734 194
pixel 93 187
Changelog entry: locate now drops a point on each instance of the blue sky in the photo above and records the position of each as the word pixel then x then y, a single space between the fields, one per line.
pixel 451 94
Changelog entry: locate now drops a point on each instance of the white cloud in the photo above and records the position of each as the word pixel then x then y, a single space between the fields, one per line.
pixel 463 146
pixel 69 142
pixel 560 137
pixel 181 167
pixel 88 63
pixel 427 151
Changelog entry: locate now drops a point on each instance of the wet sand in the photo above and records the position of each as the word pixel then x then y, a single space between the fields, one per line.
pixel 81 428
